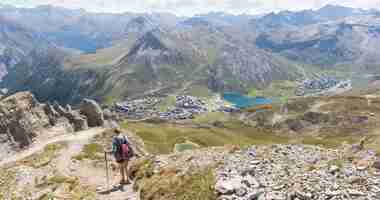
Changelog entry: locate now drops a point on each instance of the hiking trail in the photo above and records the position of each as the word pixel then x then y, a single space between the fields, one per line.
pixel 89 175
pixel 39 146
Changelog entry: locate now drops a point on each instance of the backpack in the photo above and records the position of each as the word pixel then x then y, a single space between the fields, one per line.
pixel 124 151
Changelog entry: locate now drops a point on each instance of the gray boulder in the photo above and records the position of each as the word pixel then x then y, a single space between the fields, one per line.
pixel 93 112
pixel 228 187
pixel 78 121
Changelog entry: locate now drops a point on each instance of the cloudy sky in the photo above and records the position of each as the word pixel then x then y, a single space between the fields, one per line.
pixel 191 7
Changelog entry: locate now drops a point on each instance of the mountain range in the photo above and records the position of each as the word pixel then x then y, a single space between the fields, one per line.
pixel 66 55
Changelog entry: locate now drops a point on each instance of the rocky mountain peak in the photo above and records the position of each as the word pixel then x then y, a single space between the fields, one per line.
pixel 148 41
pixel 140 24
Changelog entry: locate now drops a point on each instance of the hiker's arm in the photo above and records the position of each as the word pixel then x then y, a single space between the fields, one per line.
pixel 113 148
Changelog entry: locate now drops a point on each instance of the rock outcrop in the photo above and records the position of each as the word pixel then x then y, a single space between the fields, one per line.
pixel 21 116
pixel 93 112
pixel 78 121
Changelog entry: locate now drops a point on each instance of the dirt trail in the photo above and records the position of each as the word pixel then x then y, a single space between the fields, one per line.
pixel 39 146
pixel 90 175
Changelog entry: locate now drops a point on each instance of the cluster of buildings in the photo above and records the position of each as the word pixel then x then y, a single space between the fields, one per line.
pixel 321 85
pixel 185 107
pixel 137 109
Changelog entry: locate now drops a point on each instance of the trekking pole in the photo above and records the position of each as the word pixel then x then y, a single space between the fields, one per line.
pixel 107 174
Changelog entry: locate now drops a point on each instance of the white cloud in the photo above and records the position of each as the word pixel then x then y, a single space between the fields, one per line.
pixel 190 7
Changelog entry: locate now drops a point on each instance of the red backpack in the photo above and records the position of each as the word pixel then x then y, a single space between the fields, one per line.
pixel 124 151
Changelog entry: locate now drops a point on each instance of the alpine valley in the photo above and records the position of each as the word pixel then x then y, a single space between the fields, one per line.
pixel 280 106
pixel 66 55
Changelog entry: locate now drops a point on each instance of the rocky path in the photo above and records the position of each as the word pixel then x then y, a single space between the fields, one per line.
pixel 88 174
pixel 78 136
pixel 92 176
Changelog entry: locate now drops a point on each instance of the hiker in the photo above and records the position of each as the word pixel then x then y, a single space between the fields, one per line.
pixel 122 152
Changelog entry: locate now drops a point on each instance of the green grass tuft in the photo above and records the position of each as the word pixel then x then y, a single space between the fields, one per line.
pixel 169 185
pixel 91 151
pixel 181 147
pixel 7 183
pixel 211 117
pixel 45 157
pixel 70 186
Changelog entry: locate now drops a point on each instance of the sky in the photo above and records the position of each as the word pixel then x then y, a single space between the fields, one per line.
pixel 192 7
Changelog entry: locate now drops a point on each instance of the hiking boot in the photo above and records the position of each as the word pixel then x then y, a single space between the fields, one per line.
pixel 124 182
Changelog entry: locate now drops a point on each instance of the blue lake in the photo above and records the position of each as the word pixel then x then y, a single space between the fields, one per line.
pixel 243 101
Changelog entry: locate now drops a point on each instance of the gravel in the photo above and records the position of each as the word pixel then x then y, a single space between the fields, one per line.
pixel 296 172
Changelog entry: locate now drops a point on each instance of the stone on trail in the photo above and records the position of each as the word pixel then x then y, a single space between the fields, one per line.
pixel 79 121
pixel 228 187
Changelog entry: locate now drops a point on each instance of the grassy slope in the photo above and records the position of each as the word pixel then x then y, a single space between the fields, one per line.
pixel 102 57
pixel 343 108
pixel 117 81
pixel 197 184
pixel 161 138
pixel 219 129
